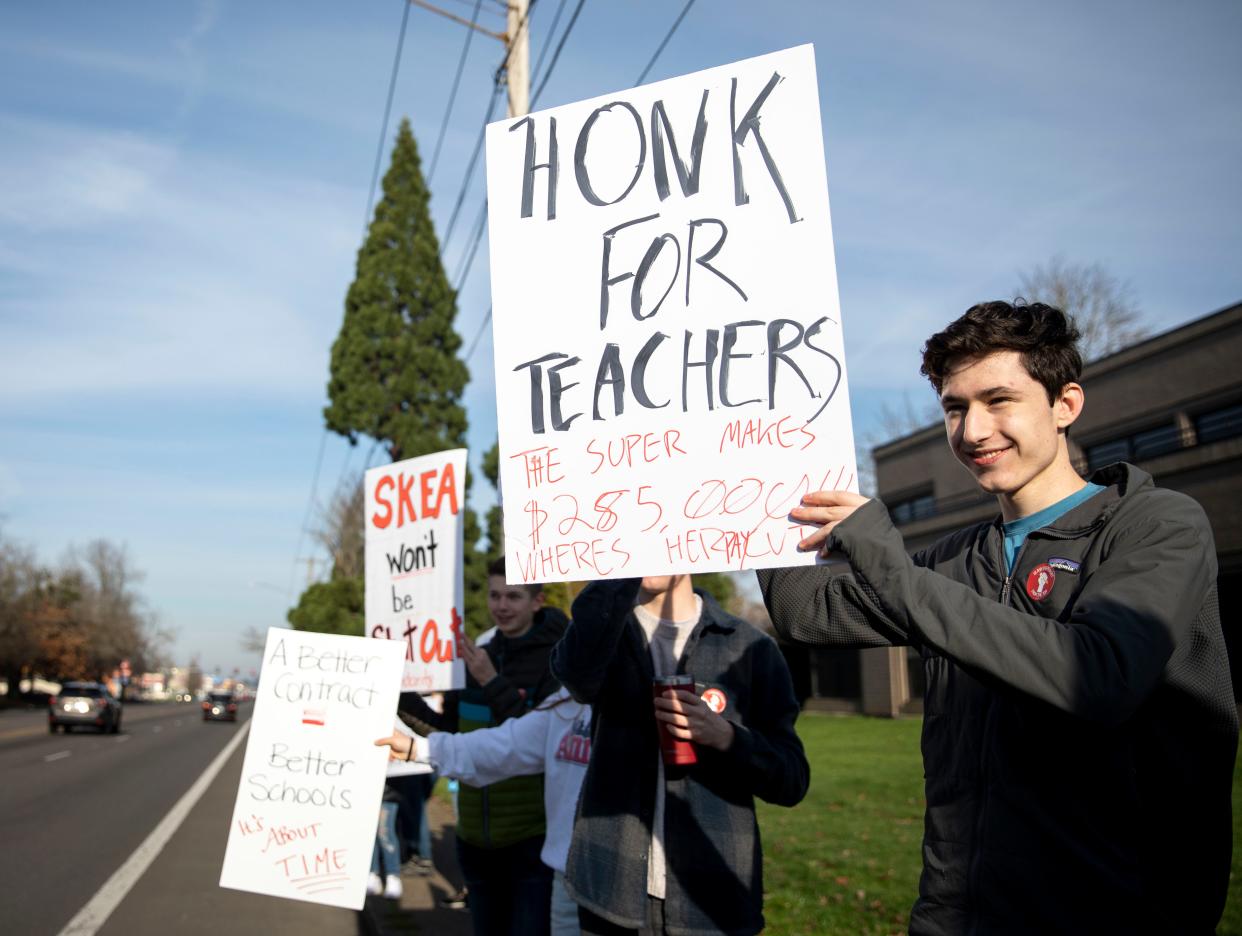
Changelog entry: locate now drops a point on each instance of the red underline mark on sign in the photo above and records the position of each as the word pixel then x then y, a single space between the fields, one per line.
pixel 312 879
pixel 406 575
pixel 313 717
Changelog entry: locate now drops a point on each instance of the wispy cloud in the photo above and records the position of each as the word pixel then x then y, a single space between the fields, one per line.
pixel 185 271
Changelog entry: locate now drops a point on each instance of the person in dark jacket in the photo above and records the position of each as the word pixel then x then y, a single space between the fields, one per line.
pixel 1079 730
pixel 501 827
pixel 675 849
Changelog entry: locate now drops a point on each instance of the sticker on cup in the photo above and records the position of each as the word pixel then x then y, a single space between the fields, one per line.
pixel 674 750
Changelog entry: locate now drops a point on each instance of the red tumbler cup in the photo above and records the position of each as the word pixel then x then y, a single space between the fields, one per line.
pixel 675 751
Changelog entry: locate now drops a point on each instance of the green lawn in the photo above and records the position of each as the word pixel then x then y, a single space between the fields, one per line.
pixel 846 860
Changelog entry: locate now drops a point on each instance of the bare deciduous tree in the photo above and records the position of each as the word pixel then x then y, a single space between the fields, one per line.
pixel 253 640
pixel 892 422
pixel 1103 307
pixel 342 532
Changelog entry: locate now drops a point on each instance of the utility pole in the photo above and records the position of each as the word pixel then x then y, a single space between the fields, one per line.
pixel 516 39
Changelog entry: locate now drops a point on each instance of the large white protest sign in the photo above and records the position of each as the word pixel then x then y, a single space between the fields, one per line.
pixel 414 587
pixel 670 371
pixel 307 809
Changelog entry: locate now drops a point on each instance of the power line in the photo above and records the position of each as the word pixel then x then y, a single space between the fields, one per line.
pixel 379 147
pixel 478 235
pixel 310 503
pixel 557 54
pixel 478 334
pixel 556 20
pixel 474 158
pixel 366 221
pixel 474 343
pixel 480 226
pixel 667 37
pixel 487 117
pixel 461 63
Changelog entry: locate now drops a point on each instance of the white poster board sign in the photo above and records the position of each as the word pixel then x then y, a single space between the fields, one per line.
pixel 670 368
pixel 415 590
pixel 307 808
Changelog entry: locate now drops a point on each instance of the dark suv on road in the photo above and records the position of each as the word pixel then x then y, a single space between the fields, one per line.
pixel 220 706
pixel 84 703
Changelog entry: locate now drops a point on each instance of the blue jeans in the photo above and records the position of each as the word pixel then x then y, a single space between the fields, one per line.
pixel 564 910
pixel 412 824
pixel 386 858
pixel 509 888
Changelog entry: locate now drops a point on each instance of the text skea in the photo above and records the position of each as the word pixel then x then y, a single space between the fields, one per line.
pixel 434 494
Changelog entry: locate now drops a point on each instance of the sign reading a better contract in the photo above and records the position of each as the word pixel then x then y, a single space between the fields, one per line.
pixel 670 369
pixel 415 591
pixel 308 805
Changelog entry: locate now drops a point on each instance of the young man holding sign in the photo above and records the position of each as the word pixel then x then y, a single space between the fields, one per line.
pixel 694 717
pixel 1080 728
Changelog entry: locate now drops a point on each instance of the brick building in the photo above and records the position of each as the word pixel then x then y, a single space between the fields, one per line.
pixel 1171 404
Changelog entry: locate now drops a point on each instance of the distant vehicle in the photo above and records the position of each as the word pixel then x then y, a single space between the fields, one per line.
pixel 184 697
pixel 220 706
pixel 83 703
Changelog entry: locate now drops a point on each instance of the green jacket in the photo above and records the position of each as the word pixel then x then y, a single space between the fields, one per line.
pixel 510 811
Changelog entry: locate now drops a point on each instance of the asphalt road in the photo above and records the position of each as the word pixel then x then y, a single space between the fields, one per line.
pixel 75 807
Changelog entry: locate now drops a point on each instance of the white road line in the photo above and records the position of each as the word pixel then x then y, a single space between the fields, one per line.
pixel 157 729
pixel 123 737
pixel 59 755
pixel 96 912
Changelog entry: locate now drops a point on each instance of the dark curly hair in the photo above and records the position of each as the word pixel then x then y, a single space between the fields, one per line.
pixel 1045 336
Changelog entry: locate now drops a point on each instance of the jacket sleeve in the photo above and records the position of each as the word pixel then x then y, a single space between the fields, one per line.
pixel 581 659
pixel 488 755
pixel 811 604
pixel 1103 661
pixel 422 717
pixel 766 753
pixel 503 697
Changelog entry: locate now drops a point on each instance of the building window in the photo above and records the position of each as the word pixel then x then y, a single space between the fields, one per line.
pixel 1108 452
pixel 1155 442
pixel 909 509
pixel 1138 447
pixel 1219 424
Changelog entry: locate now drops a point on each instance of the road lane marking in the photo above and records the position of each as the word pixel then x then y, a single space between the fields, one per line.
pixel 96 912
pixel 123 737
pixel 59 755
pixel 157 729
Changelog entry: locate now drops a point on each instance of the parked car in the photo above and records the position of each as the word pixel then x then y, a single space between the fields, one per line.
pixel 84 703
pixel 220 706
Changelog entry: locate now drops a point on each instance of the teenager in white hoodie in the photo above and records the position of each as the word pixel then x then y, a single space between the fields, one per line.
pixel 552 739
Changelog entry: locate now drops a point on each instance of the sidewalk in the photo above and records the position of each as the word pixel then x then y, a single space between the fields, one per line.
pixel 419 910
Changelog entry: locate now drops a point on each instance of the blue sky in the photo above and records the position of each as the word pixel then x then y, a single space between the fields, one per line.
pixel 184 188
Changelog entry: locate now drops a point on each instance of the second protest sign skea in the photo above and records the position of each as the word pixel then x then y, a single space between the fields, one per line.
pixel 670 368
pixel 414 586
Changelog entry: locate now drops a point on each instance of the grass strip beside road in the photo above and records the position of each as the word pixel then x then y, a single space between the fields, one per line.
pixel 847 858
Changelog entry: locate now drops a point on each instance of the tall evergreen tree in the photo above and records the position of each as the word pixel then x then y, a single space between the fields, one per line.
pixel 395 375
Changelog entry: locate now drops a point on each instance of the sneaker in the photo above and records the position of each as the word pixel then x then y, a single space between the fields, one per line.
pixel 454 901
pixel 392 887
pixel 424 866
pixel 375 884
